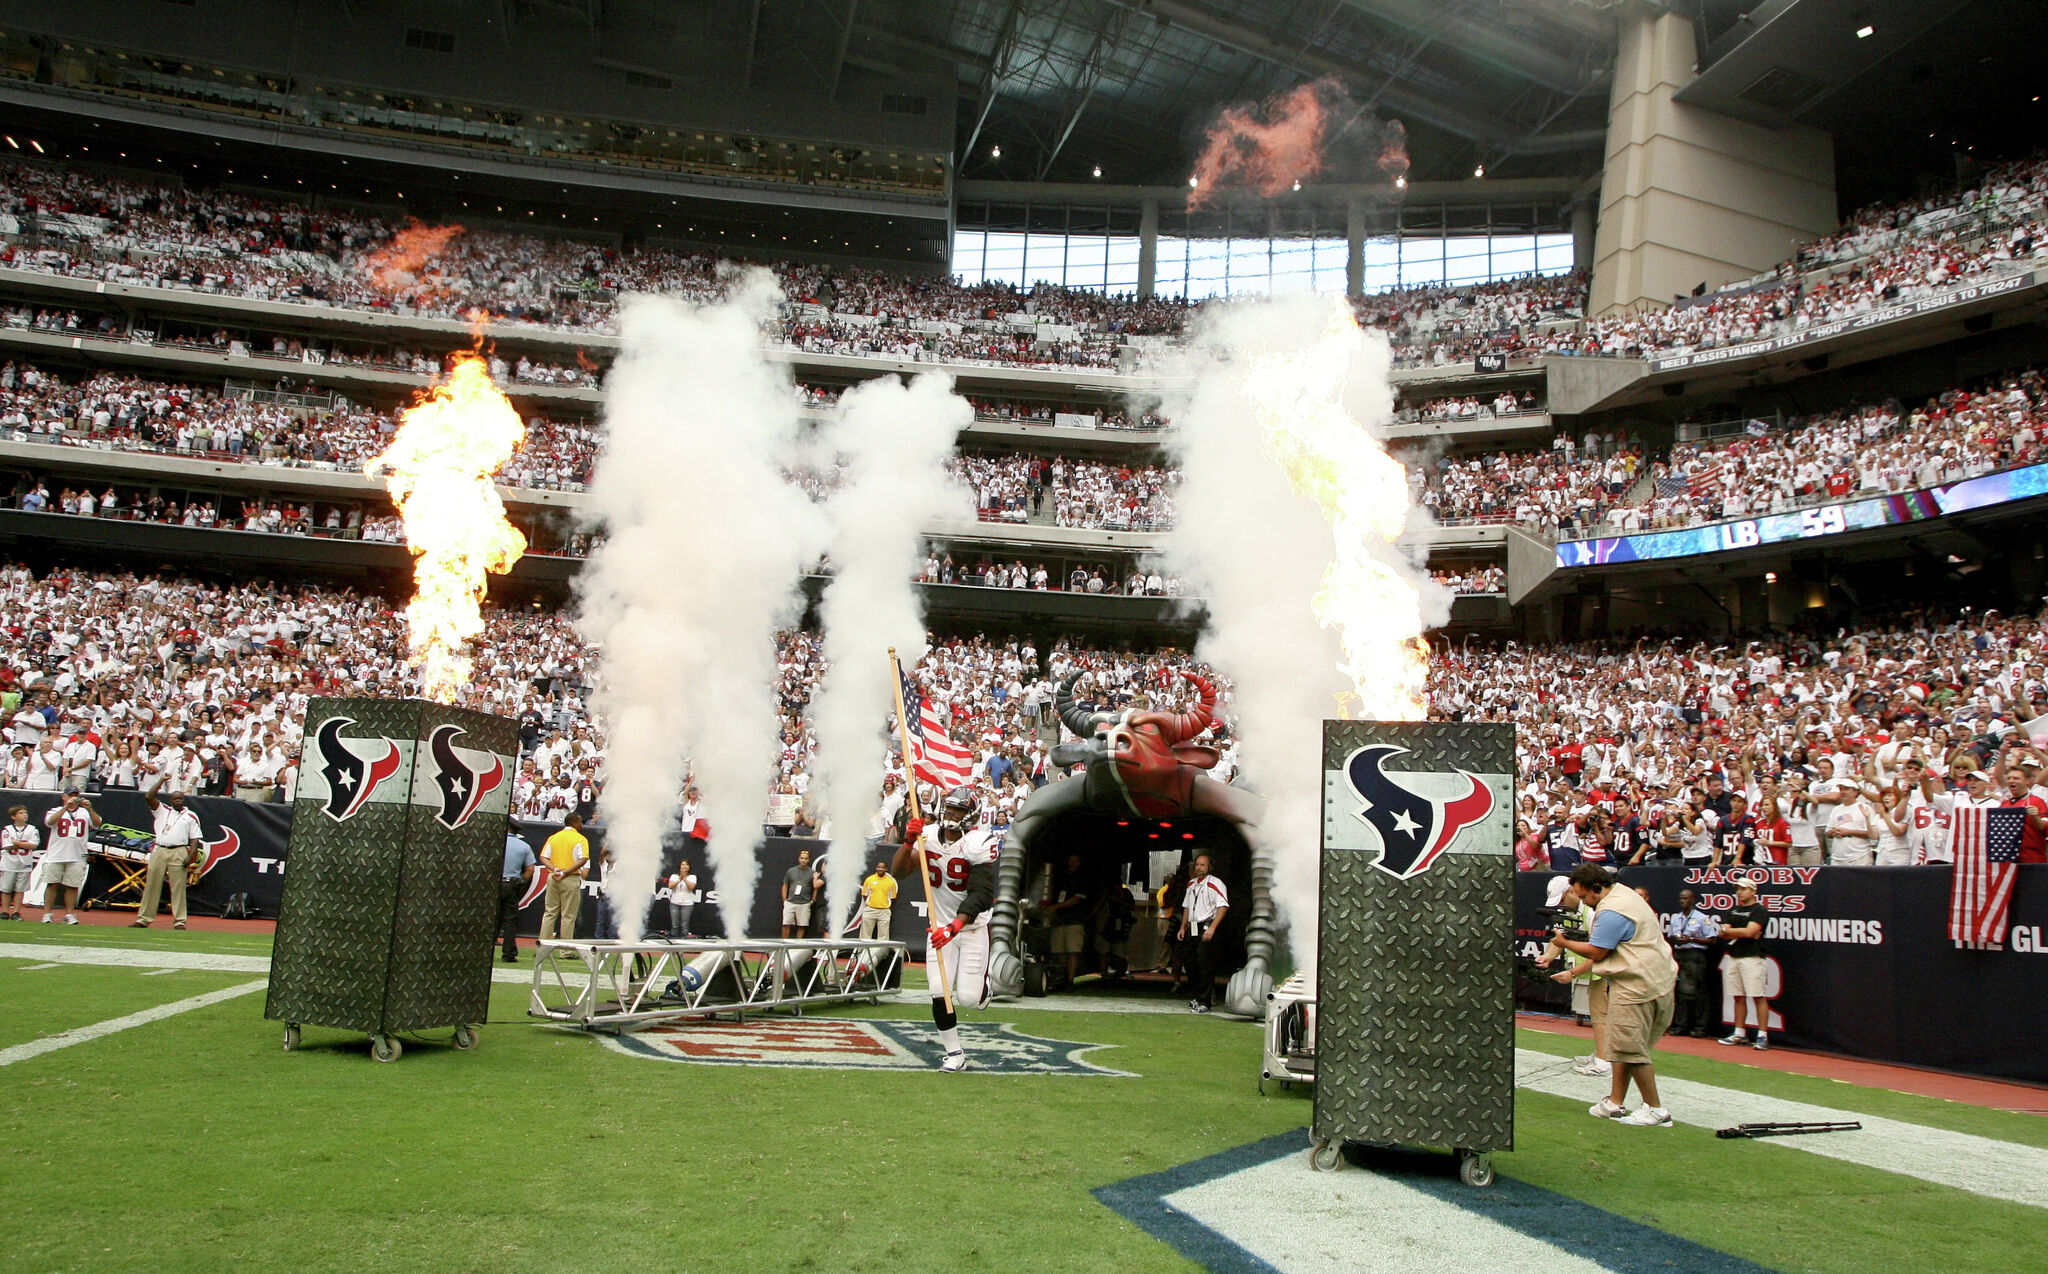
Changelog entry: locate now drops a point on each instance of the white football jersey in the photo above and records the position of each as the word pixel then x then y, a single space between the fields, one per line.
pixel 946 867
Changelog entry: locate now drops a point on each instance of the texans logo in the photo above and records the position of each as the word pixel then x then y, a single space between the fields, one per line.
pixel 1413 829
pixel 351 778
pixel 216 850
pixel 463 786
pixel 535 887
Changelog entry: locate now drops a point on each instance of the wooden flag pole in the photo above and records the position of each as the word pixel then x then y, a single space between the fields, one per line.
pixel 936 955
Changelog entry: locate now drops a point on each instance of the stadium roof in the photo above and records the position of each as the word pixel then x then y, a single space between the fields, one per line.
pixel 1065 85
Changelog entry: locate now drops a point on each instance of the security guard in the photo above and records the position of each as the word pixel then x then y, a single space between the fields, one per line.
pixel 519 865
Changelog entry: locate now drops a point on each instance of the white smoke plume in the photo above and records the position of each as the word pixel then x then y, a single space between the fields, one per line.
pixel 895 439
pixel 705 544
pixel 1289 512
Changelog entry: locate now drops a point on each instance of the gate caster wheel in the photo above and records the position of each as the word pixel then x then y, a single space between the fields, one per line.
pixel 291 1036
pixel 465 1037
pixel 1475 1170
pixel 385 1048
pixel 1326 1156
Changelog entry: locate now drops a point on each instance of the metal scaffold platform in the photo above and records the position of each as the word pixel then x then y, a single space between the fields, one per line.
pixel 609 985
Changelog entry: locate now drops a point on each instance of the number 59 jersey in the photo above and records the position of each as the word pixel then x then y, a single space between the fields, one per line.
pixel 946 867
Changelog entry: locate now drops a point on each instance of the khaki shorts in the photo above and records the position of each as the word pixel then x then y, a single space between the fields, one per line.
pixel 67 875
pixel 1633 1029
pixel 15 881
pixel 1066 939
pixel 1596 1001
pixel 796 915
pixel 1746 976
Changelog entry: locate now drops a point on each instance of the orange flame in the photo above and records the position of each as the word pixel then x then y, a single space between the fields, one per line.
pixel 397 264
pixel 1266 149
pixel 438 469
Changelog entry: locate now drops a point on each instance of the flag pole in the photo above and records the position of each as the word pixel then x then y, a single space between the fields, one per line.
pixel 937 955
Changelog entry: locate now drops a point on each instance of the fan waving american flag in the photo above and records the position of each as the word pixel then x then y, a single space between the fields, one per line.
pixel 1986 840
pixel 934 757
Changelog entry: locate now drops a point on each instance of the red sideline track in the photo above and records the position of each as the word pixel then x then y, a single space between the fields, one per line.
pixel 2026 1099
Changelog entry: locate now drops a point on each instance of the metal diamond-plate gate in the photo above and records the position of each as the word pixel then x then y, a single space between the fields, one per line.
pixel 1415 977
pixel 391 872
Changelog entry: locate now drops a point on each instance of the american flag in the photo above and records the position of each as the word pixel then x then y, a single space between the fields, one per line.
pixel 1671 484
pixel 1986 840
pixel 1706 480
pixel 934 757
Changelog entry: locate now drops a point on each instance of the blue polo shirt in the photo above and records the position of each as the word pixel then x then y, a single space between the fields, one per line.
pixel 1611 929
pixel 518 855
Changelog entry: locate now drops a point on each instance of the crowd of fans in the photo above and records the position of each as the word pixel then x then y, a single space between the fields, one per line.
pixel 141 232
pixel 1615 487
pixel 155 235
pixel 1887 255
pixel 1757 751
pixel 1832 748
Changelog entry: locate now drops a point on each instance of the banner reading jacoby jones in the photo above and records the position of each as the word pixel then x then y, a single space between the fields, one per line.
pixel 1859 961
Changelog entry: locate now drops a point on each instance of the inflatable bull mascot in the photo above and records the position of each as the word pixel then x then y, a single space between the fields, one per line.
pixel 1139 764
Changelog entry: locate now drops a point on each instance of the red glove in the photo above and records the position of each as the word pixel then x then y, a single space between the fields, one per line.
pixel 945 933
pixel 912 830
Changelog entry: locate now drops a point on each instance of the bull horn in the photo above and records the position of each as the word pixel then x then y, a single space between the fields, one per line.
pixel 1187 725
pixel 1073 718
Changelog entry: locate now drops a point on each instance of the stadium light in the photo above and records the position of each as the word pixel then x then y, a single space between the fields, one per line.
pixel 1479 170
pixel 1194 182
pixel 995 152
pixel 1098 167
pixel 1865 31
pixel 1401 182
pixel 39 146
pixel 14 144
pixel 1770 577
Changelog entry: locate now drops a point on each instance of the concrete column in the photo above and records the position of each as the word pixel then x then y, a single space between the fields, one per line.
pixel 1582 236
pixel 1354 248
pixel 1690 196
pixel 1148 247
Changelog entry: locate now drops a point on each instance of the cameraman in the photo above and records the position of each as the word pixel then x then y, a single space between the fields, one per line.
pixel 1627 949
pixel 1589 999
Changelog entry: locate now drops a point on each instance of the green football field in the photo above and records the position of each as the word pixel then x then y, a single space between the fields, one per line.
pixel 193 1142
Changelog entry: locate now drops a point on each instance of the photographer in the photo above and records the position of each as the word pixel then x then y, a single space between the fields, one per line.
pixel 1627 949
pixel 1587 1005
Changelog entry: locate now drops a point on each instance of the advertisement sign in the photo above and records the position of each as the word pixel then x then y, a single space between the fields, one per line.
pixel 1942 300
pixel 1860 963
pixel 1815 522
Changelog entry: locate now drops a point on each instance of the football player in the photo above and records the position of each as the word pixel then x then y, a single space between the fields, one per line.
pixel 958 858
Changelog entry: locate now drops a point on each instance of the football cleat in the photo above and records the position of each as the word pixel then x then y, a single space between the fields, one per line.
pixel 955 1061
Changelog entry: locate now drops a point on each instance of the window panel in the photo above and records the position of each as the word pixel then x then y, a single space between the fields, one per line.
pixel 1553 253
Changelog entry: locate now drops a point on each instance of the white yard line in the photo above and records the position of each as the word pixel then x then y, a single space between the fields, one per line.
pixel 31 968
pixel 157 973
pixel 1346 1222
pixel 133 957
pixel 1980 1165
pixel 99 1030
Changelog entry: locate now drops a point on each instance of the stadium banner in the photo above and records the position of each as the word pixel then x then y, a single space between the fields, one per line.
pixel 1859 962
pixel 1815 522
pixel 246 855
pixel 1963 295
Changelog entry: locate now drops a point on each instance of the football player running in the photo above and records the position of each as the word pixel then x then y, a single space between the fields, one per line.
pixel 958 858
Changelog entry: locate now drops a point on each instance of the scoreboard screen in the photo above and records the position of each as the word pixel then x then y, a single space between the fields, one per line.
pixel 1815 522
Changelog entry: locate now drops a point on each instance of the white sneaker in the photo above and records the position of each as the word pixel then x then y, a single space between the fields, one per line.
pixel 1648 1117
pixel 955 1061
pixel 1606 1109
pixel 70 919
pixel 1593 1066
pixel 49 919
